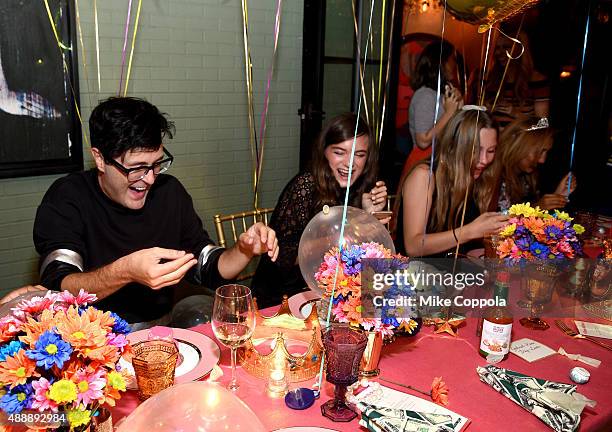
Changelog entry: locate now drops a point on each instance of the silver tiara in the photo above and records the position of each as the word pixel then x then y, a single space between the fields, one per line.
pixel 541 124
pixel 473 107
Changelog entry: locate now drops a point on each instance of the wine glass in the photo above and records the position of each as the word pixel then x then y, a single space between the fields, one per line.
pixel 233 320
pixel 344 348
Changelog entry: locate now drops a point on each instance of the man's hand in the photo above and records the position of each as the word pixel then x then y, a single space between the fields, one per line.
pixel 23 290
pixel 158 267
pixel 258 239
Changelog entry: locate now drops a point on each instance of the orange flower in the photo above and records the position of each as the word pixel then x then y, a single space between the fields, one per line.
pixel 107 355
pixel 535 225
pixel 105 318
pixel 505 247
pixel 80 331
pixel 439 391
pixel 33 328
pixel 15 370
pixel 352 308
pixel 9 327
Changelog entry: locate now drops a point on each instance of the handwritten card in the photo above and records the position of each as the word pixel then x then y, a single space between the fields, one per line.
pixel 530 350
pixel 593 329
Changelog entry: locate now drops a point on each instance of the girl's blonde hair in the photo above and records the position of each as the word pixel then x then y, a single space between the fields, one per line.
pixel 518 140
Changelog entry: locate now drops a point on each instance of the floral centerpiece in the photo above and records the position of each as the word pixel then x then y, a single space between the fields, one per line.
pixel 533 234
pixel 344 267
pixel 59 355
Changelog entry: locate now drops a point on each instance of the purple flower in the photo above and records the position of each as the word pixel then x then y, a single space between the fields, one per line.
pixel 523 243
pixel 553 233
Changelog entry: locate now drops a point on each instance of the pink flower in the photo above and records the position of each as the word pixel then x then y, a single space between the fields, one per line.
pixel 338 312
pixel 118 340
pixel 41 400
pixel 83 298
pixel 35 305
pixel 89 386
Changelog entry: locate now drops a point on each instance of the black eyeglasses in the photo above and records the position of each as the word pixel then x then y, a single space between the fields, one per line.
pixel 138 173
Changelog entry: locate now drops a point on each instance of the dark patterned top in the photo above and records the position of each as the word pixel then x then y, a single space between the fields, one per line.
pixel 297 205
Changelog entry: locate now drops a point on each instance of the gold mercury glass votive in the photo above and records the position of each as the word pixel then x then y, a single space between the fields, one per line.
pixel 154 363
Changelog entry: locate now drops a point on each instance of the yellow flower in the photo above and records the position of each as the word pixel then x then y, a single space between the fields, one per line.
pixel 116 381
pixel 63 391
pixel 541 213
pixel 578 228
pixel 521 210
pixel 78 418
pixel 508 230
pixel 563 216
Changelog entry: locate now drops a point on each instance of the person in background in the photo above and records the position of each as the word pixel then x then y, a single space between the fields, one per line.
pixel 437 57
pixel 127 232
pixel 466 148
pixel 305 195
pixel 525 92
pixel 523 146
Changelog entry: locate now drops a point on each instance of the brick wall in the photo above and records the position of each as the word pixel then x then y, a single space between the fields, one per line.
pixel 188 61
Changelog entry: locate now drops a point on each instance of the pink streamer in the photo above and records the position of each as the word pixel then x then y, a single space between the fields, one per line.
pixel 264 114
pixel 125 38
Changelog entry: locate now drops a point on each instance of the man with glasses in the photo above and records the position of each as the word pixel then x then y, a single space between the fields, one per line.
pixel 127 232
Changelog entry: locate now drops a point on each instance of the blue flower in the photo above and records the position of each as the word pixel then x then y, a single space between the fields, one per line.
pixel 352 259
pixel 121 326
pixel 10 349
pixel 552 232
pixel 17 399
pixel 50 349
pixel 539 250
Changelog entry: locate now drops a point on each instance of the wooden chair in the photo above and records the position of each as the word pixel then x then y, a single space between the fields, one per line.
pixel 236 224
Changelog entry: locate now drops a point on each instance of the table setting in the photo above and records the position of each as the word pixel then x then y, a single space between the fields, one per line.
pixel 323 360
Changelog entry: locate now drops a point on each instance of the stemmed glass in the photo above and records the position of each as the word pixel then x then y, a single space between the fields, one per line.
pixel 233 320
pixel 344 348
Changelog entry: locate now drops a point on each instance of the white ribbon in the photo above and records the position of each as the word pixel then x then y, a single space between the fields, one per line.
pixel 577 357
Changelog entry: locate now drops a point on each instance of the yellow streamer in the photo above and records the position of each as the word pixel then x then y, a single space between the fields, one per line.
pixel 59 43
pixel 129 70
pixel 61 48
pixel 248 70
pixel 380 69
pixel 386 92
pixel 97 43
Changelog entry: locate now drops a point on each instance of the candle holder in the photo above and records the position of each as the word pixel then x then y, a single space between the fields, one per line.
pixel 154 364
pixel 277 337
pixel 344 348
pixel 277 380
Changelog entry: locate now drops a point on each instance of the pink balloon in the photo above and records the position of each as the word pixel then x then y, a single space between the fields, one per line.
pixel 194 406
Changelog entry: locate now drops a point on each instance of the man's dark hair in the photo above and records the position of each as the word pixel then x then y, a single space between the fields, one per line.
pixel 120 124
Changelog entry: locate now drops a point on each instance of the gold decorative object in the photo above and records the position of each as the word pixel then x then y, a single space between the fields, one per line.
pixel 276 337
pixel 371 355
pixel 154 364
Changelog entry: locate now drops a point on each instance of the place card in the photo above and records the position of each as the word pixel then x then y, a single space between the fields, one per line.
pixel 593 329
pixel 530 350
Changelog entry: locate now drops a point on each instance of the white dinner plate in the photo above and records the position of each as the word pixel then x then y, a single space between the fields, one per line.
pixel 198 355
pixel 300 304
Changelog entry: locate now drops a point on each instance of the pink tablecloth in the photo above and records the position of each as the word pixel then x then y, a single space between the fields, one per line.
pixel 418 360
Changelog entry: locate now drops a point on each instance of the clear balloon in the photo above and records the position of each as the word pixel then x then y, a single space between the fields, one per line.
pixel 192 311
pixel 486 12
pixel 194 406
pixel 323 232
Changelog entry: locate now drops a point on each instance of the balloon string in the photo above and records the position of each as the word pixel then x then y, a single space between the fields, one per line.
pixel 125 39
pixel 97 43
pixel 361 82
pixel 129 69
pixel 380 68
pixel 61 48
pixel 345 207
pixel 248 71
pixel 84 54
pixel 386 91
pixel 584 47
pixel 264 114
pixel 484 67
pixel 435 122
pixel 510 58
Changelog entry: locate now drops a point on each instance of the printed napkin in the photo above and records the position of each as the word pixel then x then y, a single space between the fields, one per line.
pixel 556 404
pixel 378 419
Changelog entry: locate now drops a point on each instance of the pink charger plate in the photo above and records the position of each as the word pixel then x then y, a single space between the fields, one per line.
pixel 198 354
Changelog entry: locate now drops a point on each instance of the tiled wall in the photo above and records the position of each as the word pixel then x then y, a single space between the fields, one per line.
pixel 189 60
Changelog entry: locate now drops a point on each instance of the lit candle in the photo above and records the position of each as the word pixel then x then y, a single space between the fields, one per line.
pixel 277 380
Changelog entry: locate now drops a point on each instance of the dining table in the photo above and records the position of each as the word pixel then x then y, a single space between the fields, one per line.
pixel 417 360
